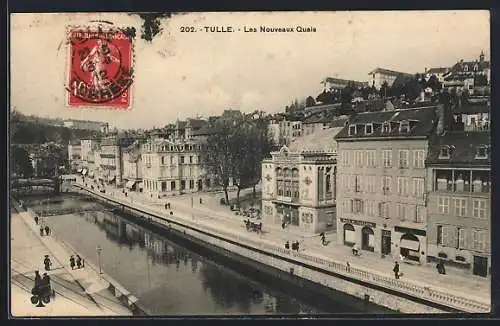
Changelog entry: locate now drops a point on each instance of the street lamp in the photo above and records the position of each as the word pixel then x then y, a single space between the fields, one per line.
pixel 98 250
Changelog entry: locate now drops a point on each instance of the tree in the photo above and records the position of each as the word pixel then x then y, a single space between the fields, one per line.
pixel 51 156
pixel 384 90
pixel 20 161
pixel 434 83
pixel 326 97
pixel 310 101
pixel 216 154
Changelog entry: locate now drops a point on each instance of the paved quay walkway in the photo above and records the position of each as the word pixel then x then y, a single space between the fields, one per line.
pixel 79 292
pixel 210 213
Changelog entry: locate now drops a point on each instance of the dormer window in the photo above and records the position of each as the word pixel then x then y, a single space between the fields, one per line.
pixel 404 126
pixel 352 130
pixel 482 152
pixel 444 152
pixel 476 67
pixel 386 127
pixel 466 68
pixel 369 128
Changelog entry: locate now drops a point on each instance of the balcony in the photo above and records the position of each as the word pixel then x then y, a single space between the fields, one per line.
pixel 289 200
pixel 462 181
pixel 477 127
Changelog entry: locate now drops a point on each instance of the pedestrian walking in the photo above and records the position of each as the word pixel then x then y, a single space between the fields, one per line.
pixel 72 262
pixel 323 238
pixel 38 281
pixel 47 263
pixel 47 230
pixel 36 219
pixel 201 200
pixel 440 268
pixel 78 261
pixel 41 231
pixel 396 270
pixel 347 267
pixel 45 285
pixel 283 225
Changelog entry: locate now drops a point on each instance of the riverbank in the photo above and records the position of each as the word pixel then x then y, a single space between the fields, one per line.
pixel 79 292
pixel 402 295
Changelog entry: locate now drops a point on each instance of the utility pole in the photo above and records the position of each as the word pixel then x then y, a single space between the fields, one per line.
pixel 98 250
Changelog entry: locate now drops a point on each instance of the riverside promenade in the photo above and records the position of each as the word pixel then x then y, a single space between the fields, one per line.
pixel 456 289
pixel 79 292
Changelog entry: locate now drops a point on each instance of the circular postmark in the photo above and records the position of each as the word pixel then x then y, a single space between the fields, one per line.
pixel 101 68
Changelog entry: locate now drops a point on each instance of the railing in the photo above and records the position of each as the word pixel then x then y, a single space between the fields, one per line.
pixel 442 297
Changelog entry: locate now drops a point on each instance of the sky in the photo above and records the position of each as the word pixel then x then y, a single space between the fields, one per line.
pixel 180 75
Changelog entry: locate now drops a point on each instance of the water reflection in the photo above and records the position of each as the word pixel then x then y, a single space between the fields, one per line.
pixel 167 278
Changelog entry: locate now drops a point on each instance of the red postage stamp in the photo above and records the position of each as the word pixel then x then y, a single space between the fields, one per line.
pixel 100 68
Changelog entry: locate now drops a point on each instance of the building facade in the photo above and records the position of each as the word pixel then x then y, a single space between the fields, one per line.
pixel 110 168
pixel 381 194
pixel 380 76
pixel 75 155
pixel 459 201
pixel 132 165
pixel 299 183
pixel 172 167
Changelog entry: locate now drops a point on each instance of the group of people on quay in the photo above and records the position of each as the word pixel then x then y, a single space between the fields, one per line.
pixel 78 262
pixel 43 228
pixel 294 246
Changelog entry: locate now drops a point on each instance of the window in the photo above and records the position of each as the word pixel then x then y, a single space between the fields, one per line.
pixel 386 184
pixel 482 152
pixel 370 158
pixel 190 159
pixel 403 158
pixel 386 127
pixel 419 214
pixel 370 183
pixel 369 128
pixel 479 239
pixel 191 184
pixel 440 235
pixel 359 159
pixel 387 158
pixel 418 187
pixel 443 205
pixel 384 211
pixel 403 186
pixel 444 153
pixel 418 158
pixel 352 130
pixel 401 211
pixel 479 208
pixel 182 159
pixel 357 205
pixel 461 239
pixel 404 126
pixel 162 160
pixel 460 207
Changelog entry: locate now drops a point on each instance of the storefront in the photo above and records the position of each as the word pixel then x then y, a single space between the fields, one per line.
pixel 411 243
pixel 349 235
pixel 358 232
pixel 130 184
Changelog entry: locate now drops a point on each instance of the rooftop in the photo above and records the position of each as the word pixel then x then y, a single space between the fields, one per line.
pixel 320 141
pixel 389 72
pixel 463 148
pixel 420 123
pixel 440 70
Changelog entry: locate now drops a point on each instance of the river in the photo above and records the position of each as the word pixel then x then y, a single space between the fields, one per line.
pixel 169 279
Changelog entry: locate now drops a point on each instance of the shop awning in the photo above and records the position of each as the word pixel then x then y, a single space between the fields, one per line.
pixel 84 171
pixel 409 244
pixel 79 170
pixel 91 174
pixel 139 185
pixel 111 178
pixel 130 184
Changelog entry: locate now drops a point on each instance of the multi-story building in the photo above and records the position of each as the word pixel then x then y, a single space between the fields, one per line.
pixel 459 200
pixel 473 115
pixel 284 131
pixel 172 167
pixel 75 155
pixel 110 159
pixel 381 172
pixel 132 165
pixel 439 73
pixel 339 84
pixel 299 183
pixel 319 121
pixel 87 125
pixel 380 76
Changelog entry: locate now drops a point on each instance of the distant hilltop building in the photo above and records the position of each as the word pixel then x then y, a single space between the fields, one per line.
pixel 380 75
pixel 87 125
pixel 339 84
